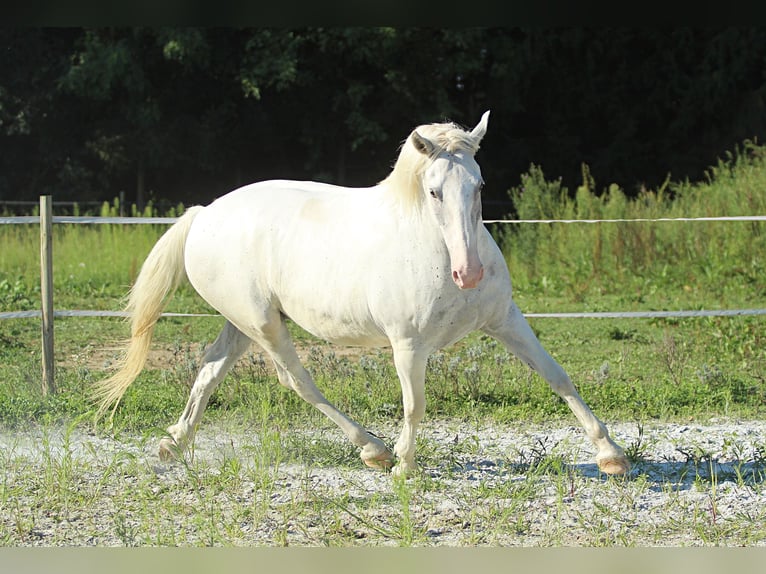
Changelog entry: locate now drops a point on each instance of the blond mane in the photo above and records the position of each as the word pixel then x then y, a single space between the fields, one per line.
pixel 404 180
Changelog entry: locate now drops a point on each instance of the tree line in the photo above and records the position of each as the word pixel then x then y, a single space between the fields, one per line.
pixel 187 114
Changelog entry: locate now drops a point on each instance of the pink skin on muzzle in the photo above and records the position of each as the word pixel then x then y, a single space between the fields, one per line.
pixel 468 276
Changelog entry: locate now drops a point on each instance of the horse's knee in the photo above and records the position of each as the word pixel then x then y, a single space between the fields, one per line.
pixel 556 377
pixel 562 386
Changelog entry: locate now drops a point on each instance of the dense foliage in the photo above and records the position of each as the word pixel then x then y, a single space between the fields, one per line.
pixel 185 114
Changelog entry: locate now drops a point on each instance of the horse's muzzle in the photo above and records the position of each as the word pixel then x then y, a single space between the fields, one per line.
pixel 468 278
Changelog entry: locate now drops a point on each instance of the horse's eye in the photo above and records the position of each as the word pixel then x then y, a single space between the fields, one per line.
pixel 434 194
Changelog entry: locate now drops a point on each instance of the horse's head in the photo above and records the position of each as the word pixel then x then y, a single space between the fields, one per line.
pixel 452 185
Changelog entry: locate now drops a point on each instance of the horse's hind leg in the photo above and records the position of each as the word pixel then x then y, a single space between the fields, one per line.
pixel 219 358
pixel 517 335
pixel 276 341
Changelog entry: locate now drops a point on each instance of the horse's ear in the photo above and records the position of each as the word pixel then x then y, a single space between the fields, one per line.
pixel 481 128
pixel 422 144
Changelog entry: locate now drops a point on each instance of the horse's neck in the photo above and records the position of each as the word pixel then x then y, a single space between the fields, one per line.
pixel 417 225
pixel 380 207
pixel 406 207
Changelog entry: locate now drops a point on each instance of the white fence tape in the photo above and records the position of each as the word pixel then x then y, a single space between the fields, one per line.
pixel 32 219
pixel 639 220
pixel 80 313
pixel 592 315
pixel 650 314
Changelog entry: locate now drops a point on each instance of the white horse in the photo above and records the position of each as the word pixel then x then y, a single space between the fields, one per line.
pixel 407 263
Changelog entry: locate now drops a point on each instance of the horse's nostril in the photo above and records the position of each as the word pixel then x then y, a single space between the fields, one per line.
pixel 467 280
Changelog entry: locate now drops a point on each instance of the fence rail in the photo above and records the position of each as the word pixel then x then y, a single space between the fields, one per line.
pixel 61 313
pixel 637 220
pixel 87 219
pixel 95 220
pixel 47 313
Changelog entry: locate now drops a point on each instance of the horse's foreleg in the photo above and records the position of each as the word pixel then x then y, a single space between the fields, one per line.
pixel 275 340
pixel 411 368
pixel 222 354
pixel 516 334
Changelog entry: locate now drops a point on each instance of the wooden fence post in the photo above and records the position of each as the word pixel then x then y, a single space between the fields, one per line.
pixel 46 290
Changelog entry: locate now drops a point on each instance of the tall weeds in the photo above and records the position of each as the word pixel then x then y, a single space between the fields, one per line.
pixel 575 258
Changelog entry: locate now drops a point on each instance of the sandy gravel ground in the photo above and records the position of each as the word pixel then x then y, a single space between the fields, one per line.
pixel 697 484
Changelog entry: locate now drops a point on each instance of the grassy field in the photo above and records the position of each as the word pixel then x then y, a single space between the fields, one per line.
pixel 633 371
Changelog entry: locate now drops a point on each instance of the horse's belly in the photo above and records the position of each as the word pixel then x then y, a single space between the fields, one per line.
pixel 335 319
pixel 343 335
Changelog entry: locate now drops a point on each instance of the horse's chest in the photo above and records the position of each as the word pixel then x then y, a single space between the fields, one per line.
pixel 453 310
pixel 440 316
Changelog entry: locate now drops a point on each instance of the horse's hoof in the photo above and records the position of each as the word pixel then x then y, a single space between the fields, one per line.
pixel 381 462
pixel 169 450
pixel 614 465
pixel 403 471
pixel 375 454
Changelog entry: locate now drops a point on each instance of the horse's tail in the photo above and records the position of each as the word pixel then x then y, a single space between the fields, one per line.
pixel 160 275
